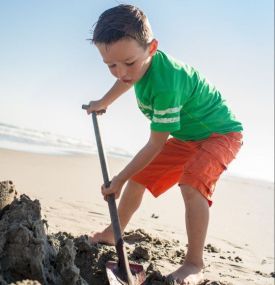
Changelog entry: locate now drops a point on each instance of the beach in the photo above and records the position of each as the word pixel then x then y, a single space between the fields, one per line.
pixel 240 242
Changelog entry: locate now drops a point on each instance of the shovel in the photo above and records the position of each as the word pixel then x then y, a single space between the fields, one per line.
pixel 121 272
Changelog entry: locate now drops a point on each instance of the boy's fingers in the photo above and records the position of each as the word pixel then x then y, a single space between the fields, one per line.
pixel 102 190
pixel 105 191
pixel 89 110
pixel 100 112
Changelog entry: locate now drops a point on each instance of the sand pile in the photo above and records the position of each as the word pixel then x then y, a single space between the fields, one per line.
pixel 28 253
pixel 25 250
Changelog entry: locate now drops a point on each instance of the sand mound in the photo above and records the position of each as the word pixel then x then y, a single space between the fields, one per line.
pixel 28 253
pixel 25 250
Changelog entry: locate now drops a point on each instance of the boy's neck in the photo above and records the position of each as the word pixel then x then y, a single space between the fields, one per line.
pixel 148 65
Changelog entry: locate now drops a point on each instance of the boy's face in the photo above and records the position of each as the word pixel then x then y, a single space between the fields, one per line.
pixel 127 59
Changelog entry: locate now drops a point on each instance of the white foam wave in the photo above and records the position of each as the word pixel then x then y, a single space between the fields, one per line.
pixel 16 138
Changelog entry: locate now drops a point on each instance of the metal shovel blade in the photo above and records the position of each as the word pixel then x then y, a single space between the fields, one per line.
pixel 113 274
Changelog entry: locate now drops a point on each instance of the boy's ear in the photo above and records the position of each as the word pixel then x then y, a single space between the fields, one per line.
pixel 153 47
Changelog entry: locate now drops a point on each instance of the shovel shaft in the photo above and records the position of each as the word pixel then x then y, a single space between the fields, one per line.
pixel 123 262
pixel 101 153
pixel 105 173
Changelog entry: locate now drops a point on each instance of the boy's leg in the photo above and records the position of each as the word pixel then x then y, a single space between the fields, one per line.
pixel 129 203
pixel 196 217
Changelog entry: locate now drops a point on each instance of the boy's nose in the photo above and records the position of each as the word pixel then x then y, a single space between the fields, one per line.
pixel 121 72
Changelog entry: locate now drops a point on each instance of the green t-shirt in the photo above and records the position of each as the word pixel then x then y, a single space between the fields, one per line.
pixel 177 99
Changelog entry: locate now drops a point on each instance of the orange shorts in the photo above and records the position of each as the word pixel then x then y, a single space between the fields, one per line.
pixel 198 164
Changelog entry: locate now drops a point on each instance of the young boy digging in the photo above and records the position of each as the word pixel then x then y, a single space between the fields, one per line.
pixel 205 136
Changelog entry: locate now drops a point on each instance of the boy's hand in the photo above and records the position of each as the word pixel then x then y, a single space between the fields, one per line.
pixel 115 187
pixel 96 106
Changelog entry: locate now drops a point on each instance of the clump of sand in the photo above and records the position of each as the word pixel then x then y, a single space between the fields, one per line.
pixel 7 193
pixel 29 256
pixel 25 250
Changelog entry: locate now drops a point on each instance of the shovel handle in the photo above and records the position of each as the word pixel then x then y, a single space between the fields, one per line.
pixel 105 173
pixel 100 112
pixel 121 251
pixel 85 107
pixel 101 153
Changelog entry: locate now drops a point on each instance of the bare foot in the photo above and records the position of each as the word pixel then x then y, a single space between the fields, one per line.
pixel 105 237
pixel 187 274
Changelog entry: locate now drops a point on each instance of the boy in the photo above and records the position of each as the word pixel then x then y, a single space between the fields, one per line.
pixel 180 103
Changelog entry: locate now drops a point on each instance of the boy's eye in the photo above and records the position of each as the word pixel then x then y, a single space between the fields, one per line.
pixel 111 65
pixel 130 63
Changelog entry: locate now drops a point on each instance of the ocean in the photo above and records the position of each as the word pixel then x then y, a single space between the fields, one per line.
pixel 30 140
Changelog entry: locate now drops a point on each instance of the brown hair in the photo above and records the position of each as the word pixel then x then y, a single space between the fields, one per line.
pixel 122 21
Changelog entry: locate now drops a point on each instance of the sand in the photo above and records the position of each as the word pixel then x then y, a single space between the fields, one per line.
pixel 239 247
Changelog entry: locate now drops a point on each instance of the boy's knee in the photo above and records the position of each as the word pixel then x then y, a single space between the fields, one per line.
pixel 135 186
pixel 189 192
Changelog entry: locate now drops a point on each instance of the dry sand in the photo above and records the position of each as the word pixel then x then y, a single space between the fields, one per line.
pixel 239 247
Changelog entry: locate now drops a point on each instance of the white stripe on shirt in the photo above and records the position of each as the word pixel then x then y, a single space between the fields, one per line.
pixel 167 111
pixel 166 120
pixel 145 107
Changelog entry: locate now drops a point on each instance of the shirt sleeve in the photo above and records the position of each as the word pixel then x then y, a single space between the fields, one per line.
pixel 166 112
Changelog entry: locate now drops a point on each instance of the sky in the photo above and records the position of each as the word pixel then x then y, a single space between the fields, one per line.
pixel 48 68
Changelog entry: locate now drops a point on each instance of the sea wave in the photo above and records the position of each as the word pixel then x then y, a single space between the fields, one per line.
pixel 24 139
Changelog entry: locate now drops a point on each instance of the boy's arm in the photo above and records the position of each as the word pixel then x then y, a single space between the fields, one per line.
pixel 145 155
pixel 116 91
pixel 141 159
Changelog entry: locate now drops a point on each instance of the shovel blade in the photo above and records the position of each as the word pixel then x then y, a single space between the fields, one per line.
pixel 115 277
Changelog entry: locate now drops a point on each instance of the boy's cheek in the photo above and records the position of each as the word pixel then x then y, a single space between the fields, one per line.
pixel 113 73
